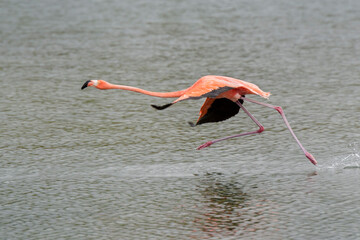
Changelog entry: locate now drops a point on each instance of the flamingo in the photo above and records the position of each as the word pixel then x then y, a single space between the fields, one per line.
pixel 224 98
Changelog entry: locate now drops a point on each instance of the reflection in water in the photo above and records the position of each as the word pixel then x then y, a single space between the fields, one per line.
pixel 313 173
pixel 227 210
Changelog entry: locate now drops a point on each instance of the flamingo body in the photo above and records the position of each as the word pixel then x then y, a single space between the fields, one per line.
pixel 220 87
pixel 221 95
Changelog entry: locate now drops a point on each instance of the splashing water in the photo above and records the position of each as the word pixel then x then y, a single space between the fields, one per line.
pixel 350 161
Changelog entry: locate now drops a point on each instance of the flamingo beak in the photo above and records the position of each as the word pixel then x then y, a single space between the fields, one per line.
pixel 87 84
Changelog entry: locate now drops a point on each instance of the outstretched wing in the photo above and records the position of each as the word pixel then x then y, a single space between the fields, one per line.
pixel 212 86
pixel 216 110
pixel 208 86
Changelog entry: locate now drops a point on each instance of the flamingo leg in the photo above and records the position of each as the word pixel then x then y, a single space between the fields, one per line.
pixel 261 129
pixel 281 111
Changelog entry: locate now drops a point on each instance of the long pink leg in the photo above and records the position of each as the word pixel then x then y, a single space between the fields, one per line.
pixel 261 129
pixel 281 111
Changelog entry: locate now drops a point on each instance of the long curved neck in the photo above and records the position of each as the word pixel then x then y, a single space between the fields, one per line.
pixel 139 90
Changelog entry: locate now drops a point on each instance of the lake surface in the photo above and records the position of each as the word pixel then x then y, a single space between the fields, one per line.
pixel 96 164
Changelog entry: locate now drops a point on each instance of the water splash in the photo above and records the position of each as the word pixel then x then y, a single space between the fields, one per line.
pixel 350 161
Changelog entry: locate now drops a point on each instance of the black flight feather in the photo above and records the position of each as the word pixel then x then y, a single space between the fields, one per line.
pixel 220 110
pixel 162 107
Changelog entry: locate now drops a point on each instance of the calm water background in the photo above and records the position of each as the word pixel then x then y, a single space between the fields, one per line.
pixel 105 165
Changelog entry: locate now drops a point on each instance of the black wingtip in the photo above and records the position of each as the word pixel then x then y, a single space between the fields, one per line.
pixel 85 84
pixel 162 107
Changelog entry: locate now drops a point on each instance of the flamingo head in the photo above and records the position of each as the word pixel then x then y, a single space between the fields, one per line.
pixel 99 84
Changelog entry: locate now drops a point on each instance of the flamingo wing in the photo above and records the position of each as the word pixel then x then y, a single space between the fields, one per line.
pixel 216 110
pixel 213 86
pixel 208 86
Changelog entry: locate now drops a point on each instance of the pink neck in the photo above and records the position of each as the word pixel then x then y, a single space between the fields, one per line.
pixel 139 90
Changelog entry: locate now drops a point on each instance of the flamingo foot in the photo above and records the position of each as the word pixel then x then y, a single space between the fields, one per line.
pixel 311 158
pixel 207 144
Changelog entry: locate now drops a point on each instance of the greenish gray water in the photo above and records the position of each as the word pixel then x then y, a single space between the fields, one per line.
pixel 105 165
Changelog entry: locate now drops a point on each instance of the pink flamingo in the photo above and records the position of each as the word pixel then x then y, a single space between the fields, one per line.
pixel 224 98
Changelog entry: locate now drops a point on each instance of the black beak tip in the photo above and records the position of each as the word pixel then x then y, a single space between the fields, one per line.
pixel 85 84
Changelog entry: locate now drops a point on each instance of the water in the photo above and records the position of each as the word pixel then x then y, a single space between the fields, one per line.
pixel 104 165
